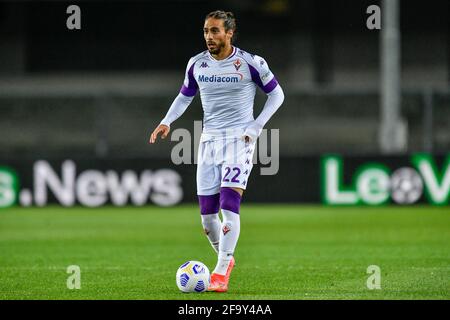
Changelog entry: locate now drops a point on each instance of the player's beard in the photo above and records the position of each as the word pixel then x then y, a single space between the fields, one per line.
pixel 218 49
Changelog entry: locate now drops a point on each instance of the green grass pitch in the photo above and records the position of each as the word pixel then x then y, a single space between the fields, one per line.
pixel 284 252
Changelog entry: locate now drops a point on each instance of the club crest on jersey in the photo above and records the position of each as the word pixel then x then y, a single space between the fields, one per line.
pixel 237 64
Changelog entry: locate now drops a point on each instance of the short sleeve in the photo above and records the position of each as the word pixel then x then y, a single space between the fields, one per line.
pixel 189 87
pixel 261 74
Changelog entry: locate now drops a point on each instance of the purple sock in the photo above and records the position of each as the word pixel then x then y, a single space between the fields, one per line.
pixel 209 204
pixel 230 199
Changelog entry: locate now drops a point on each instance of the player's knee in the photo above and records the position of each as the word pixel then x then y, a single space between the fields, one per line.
pixel 230 199
pixel 209 204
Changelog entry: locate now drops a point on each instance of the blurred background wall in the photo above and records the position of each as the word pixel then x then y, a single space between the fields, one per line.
pixel 101 90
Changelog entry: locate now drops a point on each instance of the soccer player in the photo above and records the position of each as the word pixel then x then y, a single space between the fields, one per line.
pixel 226 77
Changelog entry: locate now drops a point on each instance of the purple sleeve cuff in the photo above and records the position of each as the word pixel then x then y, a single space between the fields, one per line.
pixel 270 85
pixel 256 79
pixel 191 89
pixel 189 92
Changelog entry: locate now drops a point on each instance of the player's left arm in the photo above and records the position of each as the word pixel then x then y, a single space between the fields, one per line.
pixel 266 80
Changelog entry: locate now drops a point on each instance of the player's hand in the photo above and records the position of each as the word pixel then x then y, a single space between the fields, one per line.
pixel 162 128
pixel 252 132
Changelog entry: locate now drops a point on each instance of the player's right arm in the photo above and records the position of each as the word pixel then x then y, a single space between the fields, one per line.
pixel 179 105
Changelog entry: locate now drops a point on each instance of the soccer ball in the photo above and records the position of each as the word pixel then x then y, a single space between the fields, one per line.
pixel 193 276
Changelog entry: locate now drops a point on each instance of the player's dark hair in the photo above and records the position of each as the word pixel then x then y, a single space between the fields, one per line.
pixel 229 21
